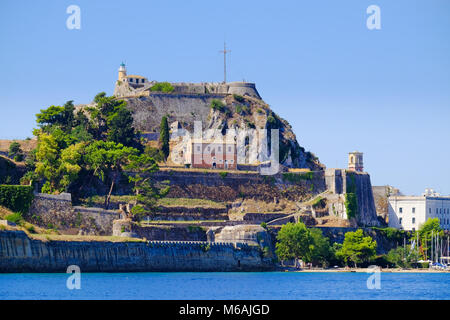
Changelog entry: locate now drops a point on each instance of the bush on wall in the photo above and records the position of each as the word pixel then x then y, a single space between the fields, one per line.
pixel 16 198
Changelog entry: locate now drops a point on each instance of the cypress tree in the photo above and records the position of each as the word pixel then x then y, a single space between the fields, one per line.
pixel 164 137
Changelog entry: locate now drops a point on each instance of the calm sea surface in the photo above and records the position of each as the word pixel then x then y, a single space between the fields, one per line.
pixel 227 286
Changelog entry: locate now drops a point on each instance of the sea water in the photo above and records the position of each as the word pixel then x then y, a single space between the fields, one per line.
pixel 227 286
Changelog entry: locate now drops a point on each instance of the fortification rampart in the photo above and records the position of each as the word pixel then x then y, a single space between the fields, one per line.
pixel 56 211
pixel 233 186
pixel 123 89
pixel 19 253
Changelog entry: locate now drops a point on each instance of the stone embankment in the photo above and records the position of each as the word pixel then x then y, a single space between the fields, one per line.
pixel 19 253
pixel 56 211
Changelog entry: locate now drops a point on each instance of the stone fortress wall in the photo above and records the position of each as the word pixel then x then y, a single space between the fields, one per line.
pixel 337 181
pixel 19 253
pixel 56 211
pixel 123 89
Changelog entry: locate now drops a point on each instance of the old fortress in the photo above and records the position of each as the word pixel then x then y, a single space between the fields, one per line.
pixel 138 86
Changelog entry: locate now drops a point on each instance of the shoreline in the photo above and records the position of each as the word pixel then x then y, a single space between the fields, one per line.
pixel 363 270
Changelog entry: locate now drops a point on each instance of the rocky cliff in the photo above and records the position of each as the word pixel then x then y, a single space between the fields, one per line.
pixel 232 113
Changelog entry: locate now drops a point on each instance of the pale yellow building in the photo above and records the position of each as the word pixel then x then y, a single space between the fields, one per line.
pixel 133 80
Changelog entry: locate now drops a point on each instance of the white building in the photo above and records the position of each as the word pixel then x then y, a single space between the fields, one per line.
pixel 410 212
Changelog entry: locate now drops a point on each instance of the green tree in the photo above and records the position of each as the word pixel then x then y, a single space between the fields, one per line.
pixel 147 192
pixel 293 242
pixel 403 257
pixel 30 161
pixel 162 87
pixel 53 115
pixel 58 167
pixel 154 153
pixel 68 116
pixel 321 251
pixel 427 230
pixel 47 162
pixel 111 121
pixel 106 160
pixel 71 163
pixel 58 116
pixel 15 151
pixel 164 137
pixel 357 248
pixel 120 126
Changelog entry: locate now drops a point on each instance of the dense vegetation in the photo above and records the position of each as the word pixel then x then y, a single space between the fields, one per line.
pixel 8 171
pixel 351 200
pixel 164 137
pixel 16 198
pixel 162 87
pixel 298 177
pixel 357 248
pixel 15 151
pixel 296 241
pixel 91 151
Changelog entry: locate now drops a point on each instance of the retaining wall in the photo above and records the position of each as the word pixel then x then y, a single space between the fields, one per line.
pixel 56 211
pixel 18 253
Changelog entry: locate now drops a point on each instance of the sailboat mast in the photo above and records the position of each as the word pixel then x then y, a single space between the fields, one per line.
pixel 432 237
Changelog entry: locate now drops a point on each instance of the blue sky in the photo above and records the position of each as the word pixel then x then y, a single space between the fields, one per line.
pixel 341 86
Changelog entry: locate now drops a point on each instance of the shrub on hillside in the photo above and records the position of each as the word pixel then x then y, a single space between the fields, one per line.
pixel 16 198
pixel 14 217
pixel 217 105
pixel 162 87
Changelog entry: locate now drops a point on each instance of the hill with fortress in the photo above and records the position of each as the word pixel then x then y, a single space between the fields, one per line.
pixel 225 200
pixel 185 103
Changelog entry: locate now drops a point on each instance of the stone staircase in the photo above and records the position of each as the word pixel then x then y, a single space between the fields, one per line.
pixel 305 212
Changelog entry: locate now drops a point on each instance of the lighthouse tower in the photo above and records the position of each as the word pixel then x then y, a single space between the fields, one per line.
pixel 122 72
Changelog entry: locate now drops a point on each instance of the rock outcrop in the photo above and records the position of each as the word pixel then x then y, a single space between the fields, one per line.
pixel 237 115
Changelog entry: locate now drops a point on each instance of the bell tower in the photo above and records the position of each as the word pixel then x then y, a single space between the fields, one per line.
pixel 355 161
pixel 122 71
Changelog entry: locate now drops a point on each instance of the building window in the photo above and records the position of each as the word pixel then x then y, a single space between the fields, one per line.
pixel 400 210
pixel 429 210
pixel 413 220
pixel 437 211
pixel 219 149
pixel 143 80
pixel 400 220
pixel 229 149
pixel 198 148
pixel 231 161
pixel 413 210
pixel 209 149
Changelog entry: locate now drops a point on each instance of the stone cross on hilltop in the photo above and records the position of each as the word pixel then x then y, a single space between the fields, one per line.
pixel 225 51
